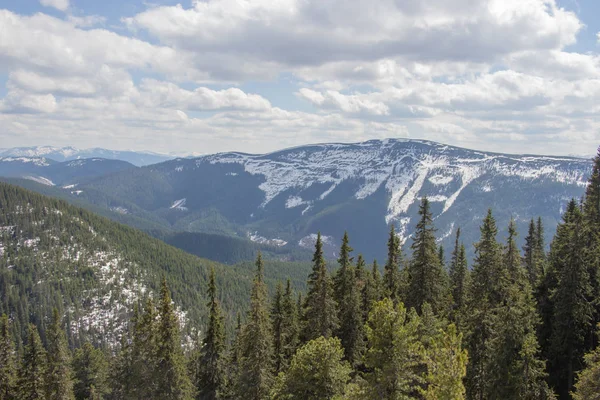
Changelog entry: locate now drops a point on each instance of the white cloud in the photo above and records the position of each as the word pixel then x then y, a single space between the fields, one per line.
pixel 62 5
pixel 479 73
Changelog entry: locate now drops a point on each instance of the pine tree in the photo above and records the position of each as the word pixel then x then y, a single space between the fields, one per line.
pixel 211 374
pixel 572 302
pixel 351 323
pixel 317 372
pixel 276 323
pixel 427 280
pixel 32 383
pixel 342 279
pixel 459 274
pixel 289 327
pixel 394 354
pixel 7 361
pixel 442 256
pixel 140 358
pixel 255 373
pixel 90 369
pixel 391 271
pixel 320 314
pixel 59 380
pixel 172 380
pixel 487 290
pixel 446 362
pixel 371 291
pixel 588 380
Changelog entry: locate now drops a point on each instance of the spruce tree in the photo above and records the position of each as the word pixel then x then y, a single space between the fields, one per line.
pixel 351 330
pixel 446 362
pixel 371 291
pixel 391 272
pixel 459 274
pixel 572 302
pixel 487 290
pixel 211 374
pixel 90 369
pixel 588 380
pixel 32 374
pixel 59 380
pixel 172 380
pixel 394 354
pixel 320 308
pixel 342 279
pixel 140 358
pixel 7 360
pixel 317 372
pixel 276 326
pixel 427 276
pixel 255 376
pixel 289 326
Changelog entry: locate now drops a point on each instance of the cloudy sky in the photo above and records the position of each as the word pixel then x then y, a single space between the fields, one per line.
pixel 259 75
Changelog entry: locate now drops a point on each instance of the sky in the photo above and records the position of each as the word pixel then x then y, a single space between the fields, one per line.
pixel 205 76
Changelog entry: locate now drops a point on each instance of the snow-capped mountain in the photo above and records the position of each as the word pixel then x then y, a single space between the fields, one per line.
pixel 290 195
pixel 71 153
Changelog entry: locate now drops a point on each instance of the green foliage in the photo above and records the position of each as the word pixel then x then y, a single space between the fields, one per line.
pixel 428 280
pixel 210 376
pixel 391 272
pixel 459 277
pixel 446 363
pixel 320 314
pixel 317 372
pixel 588 380
pixel 90 368
pixel 59 382
pixel 255 377
pixel 32 374
pixel 8 369
pixel 394 352
pixel 172 380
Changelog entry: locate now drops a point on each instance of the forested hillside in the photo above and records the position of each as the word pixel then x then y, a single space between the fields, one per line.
pixel 93 270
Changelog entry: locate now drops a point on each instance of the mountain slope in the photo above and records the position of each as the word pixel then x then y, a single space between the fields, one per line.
pixel 94 270
pixel 287 196
pixel 71 153
pixel 69 173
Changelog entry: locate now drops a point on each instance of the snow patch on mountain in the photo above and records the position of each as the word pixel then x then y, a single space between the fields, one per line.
pixel 308 241
pixel 255 237
pixel 38 161
pixel 179 205
pixel 40 179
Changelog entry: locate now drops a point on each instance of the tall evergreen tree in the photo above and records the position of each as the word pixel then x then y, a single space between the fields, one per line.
pixel 588 380
pixel 488 289
pixel 317 372
pixel 427 276
pixel 342 279
pixel 289 326
pixel 351 330
pixel 320 315
pixel 276 326
pixel 8 371
pixel 255 376
pixel 59 375
pixel 459 274
pixel 172 380
pixel 32 383
pixel 211 370
pixel 139 362
pixel 572 302
pixel 90 369
pixel 446 362
pixel 391 270
pixel 371 291
pixel 532 256
pixel 394 354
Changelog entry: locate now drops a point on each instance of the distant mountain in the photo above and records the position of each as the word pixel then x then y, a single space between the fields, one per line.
pixel 67 173
pixel 285 198
pixel 72 153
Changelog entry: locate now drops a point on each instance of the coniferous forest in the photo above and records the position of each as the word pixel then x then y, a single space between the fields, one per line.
pixel 427 323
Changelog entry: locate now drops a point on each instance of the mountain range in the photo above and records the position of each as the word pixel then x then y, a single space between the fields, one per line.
pixel 71 153
pixel 283 199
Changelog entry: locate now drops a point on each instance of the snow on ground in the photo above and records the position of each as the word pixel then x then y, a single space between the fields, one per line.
pixel 255 237
pixel 40 179
pixel 308 241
